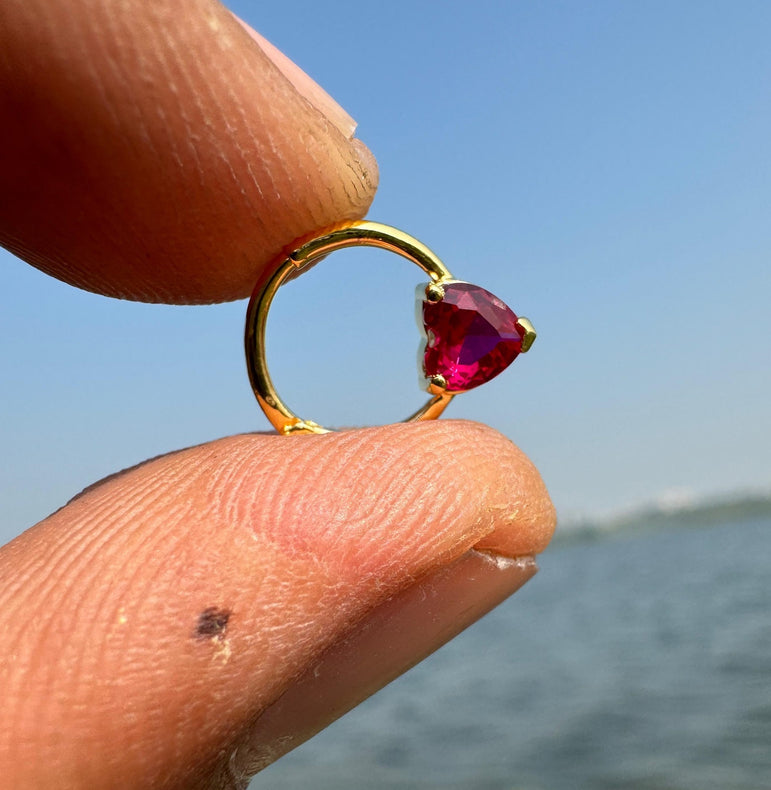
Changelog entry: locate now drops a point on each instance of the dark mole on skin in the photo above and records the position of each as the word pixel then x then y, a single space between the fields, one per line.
pixel 212 623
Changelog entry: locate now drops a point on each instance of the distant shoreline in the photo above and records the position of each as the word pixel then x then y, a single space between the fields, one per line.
pixel 654 517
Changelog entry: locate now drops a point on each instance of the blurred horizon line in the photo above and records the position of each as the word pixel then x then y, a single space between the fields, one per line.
pixel 676 505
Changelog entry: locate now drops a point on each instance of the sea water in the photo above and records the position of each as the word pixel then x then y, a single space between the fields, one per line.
pixel 642 661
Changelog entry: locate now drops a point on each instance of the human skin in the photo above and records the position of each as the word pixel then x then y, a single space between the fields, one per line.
pixel 184 623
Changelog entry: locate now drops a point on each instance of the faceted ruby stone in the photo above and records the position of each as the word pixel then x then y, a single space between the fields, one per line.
pixel 471 336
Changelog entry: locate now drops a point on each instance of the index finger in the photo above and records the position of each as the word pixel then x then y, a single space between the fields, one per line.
pixel 157 152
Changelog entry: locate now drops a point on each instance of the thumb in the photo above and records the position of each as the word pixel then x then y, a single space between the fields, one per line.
pixel 179 609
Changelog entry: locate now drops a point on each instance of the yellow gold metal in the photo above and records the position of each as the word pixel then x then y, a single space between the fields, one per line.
pixel 529 337
pixel 302 426
pixel 368 234
pixel 434 292
pixel 438 385
pixel 433 408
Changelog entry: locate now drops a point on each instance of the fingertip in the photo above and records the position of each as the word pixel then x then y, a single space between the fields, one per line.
pixel 502 482
pixel 366 167
pixel 199 586
pixel 525 516
pixel 200 161
pixel 304 85
pixel 438 487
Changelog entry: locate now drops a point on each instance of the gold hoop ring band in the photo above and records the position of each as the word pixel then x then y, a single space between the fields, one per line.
pixel 442 385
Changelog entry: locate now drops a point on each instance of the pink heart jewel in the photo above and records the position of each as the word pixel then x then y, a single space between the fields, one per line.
pixel 471 336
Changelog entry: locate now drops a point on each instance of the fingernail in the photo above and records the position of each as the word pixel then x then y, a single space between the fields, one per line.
pixel 303 84
pixel 392 638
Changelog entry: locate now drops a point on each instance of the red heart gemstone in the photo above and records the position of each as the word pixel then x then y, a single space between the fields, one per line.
pixel 471 336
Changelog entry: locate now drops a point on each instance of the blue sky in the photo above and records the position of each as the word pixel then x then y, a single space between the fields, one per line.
pixel 603 167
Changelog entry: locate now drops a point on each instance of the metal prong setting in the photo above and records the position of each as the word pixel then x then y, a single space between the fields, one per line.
pixel 529 336
pixel 437 385
pixel 434 292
